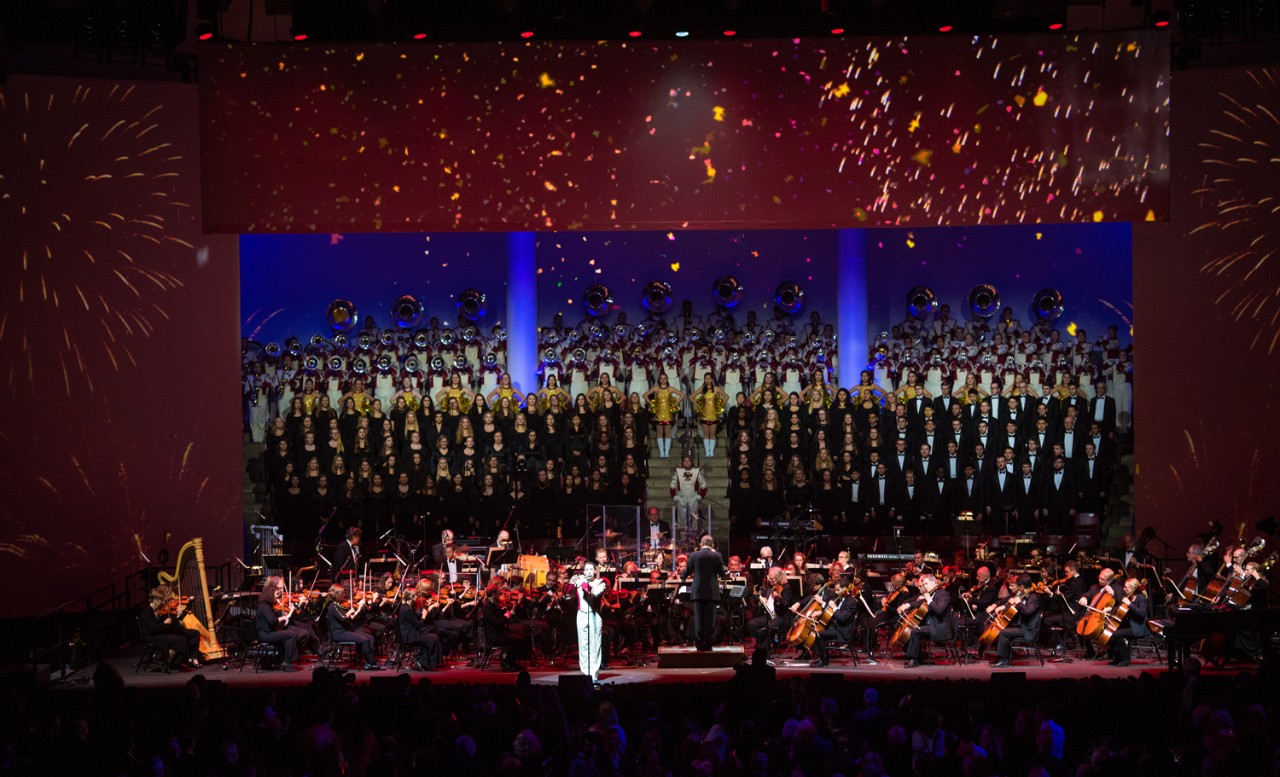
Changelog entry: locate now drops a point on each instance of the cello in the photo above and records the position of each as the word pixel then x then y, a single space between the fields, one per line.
pixel 1004 617
pixel 1189 585
pixel 1115 618
pixel 810 621
pixel 1092 623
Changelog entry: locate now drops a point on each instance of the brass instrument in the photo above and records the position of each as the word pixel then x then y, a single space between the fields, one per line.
pixel 387 338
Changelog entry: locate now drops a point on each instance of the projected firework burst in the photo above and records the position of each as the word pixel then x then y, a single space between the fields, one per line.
pixel 1240 164
pixel 70 311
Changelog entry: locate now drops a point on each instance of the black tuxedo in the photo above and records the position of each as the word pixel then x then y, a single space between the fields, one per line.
pixel 858 501
pixel 910 502
pixel 942 406
pixel 895 467
pixel 1091 487
pixel 645 532
pixel 346 560
pixel 1077 440
pixel 1029 498
pixel 1108 421
pixel 969 496
pixel 1059 501
pixel 954 465
pixel 839 628
pixel 938 501
pixel 1001 498
pixel 936 626
pixel 880 504
pixel 707 566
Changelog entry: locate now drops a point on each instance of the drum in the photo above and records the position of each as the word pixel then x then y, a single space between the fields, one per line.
pixel 535 569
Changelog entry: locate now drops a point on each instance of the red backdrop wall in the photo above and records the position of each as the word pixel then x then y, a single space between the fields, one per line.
pixel 783 134
pixel 1207 299
pixel 119 349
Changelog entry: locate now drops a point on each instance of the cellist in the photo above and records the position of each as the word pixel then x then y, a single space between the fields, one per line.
pixel 1131 612
pixel 937 620
pixel 1029 608
pixel 1095 596
pixel 844 611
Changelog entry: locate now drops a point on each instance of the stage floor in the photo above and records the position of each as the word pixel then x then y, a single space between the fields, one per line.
pixel 621 673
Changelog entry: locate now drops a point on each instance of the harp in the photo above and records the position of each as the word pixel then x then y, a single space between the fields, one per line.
pixel 192 587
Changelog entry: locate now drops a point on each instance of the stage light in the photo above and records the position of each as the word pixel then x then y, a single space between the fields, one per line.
pixel 682 33
pixel 527 34
pixel 300 36
pixel 730 33
pixel 419 36
pixel 1056 26
pixel 205 31
pixel 1162 18
pixel 838 31
pixel 945 28
pixel 634 34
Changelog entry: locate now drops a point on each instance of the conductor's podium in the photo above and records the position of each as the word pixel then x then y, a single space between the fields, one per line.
pixel 719 657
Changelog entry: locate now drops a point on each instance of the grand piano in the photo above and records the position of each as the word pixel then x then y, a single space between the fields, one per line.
pixel 1185 626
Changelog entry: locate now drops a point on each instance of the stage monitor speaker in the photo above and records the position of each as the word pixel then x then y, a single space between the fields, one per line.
pixel 575 686
pixel 1004 684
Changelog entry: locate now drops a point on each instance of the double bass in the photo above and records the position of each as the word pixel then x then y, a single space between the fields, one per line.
pixel 1189 585
pixel 1213 592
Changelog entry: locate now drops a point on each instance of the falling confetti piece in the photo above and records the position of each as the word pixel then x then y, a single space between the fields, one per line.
pixel 546 81
pixel 923 156
pixel 675 267
pixel 1040 99
pixel 717 113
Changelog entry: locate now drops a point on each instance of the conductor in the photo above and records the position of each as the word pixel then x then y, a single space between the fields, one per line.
pixel 707 566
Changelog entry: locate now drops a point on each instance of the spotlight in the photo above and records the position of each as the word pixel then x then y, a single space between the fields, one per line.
pixel 682 33
pixel 205 31
pixel 1055 25
pixel 419 36
pixel 299 36
pixel 730 33
pixel 837 31
pixel 1161 18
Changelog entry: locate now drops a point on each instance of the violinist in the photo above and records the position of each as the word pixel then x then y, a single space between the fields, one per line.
pixel 1131 613
pixel 161 629
pixel 1106 585
pixel 776 604
pixel 293 618
pixel 840 625
pixel 339 618
pixel 273 629
pixel 500 630
pixel 415 632
pixel 443 612
pixel 1028 606
pixel 937 620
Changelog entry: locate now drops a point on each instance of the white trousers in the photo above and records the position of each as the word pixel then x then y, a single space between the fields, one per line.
pixel 687 509
pixel 589 648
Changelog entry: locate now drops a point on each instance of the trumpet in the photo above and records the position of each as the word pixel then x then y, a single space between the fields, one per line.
pixel 340 341
pixel 365 341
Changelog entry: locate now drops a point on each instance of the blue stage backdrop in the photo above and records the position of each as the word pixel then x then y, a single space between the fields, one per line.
pixel 691 262
pixel 1091 265
pixel 288 281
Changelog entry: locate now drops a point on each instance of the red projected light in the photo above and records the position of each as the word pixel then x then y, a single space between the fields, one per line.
pixel 634 34
pixel 206 36
pixel 527 34
pixel 1162 23
pixel 419 36
pixel 730 33
pixel 838 31
pixel 1056 26
pixel 300 36
pixel 945 28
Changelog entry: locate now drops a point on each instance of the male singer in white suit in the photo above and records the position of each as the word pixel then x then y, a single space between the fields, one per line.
pixel 589 589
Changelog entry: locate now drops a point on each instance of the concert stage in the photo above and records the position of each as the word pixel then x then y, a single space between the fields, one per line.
pixel 623 674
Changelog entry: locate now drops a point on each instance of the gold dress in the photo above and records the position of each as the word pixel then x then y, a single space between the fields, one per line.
pixel 710 406
pixel 664 405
